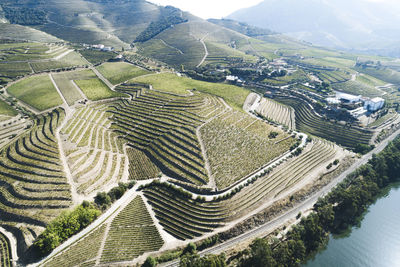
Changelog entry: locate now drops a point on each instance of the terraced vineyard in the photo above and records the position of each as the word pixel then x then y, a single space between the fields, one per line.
pixel 277 112
pixel 132 232
pixel 181 216
pixel 5 257
pixel 33 187
pixel 309 122
pixel 333 76
pixel 81 253
pixel 163 126
pixel 185 218
pixel 237 144
pixel 95 154
pixel 11 128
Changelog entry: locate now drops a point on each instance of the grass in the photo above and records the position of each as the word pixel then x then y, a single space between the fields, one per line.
pixel 118 72
pixel 233 95
pixel 36 91
pixel 6 109
pixel 96 57
pixel 95 89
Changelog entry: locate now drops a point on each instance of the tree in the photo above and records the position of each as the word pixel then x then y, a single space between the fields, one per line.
pixel 150 262
pixel 260 254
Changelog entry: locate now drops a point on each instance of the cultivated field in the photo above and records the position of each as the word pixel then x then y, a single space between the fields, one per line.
pixel 33 188
pixel 6 110
pixel 309 122
pixel 95 89
pixel 5 252
pixel 95 154
pixel 96 57
pixel 233 95
pixel 185 218
pixel 237 144
pixel 12 127
pixel 82 253
pixel 163 126
pixel 132 232
pixel 71 60
pixel 119 72
pixel 37 91
pixel 277 112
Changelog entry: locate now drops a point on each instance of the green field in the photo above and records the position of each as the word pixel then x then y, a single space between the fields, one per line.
pixel 96 57
pixel 71 60
pixel 37 91
pixel 233 95
pixel 95 89
pixel 118 72
pixel 6 109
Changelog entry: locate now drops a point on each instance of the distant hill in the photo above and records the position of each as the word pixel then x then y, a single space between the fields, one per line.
pixel 356 24
pixel 242 27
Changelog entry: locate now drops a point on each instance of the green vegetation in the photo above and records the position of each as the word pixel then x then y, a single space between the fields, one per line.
pixel 237 144
pixel 6 109
pixel 65 226
pixel 5 252
pixel 118 72
pixel 80 253
pixel 383 74
pixel 12 71
pixel 276 112
pixel 36 91
pixel 96 57
pixel 132 232
pixel 68 62
pixel 97 148
pixel 336 213
pixel 309 122
pixel 233 95
pixel 357 88
pixel 34 187
pixel 169 16
pixel 95 89
pixel 179 214
pixel 24 15
pixel 163 127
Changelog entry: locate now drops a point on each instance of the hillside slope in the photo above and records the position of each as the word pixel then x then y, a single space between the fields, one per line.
pixel 359 24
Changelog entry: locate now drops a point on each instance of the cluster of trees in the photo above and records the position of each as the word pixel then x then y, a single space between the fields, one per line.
pixel 335 213
pixel 25 16
pixel 65 226
pixel 71 222
pixel 104 200
pixel 170 16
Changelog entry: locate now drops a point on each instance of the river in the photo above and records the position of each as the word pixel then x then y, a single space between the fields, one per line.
pixel 375 243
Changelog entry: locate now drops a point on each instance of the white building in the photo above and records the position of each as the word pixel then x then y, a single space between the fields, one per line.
pixel 374 104
pixel 348 98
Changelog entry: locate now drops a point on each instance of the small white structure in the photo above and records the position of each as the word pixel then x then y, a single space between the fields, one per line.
pixel 348 98
pixel 232 78
pixel 374 104
pixel 357 113
pixel 333 101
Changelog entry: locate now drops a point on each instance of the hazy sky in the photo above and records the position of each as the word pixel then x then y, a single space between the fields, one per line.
pixel 208 8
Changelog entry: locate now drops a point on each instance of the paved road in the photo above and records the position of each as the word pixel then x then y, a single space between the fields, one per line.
pixel 306 205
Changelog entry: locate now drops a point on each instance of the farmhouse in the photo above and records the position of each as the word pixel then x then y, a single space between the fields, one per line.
pixel 374 104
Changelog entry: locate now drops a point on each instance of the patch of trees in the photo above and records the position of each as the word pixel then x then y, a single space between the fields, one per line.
pixel 65 226
pixel 169 16
pixel 25 16
pixel 71 222
pixel 335 213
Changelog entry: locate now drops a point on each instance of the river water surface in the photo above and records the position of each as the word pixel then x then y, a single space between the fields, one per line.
pixel 375 244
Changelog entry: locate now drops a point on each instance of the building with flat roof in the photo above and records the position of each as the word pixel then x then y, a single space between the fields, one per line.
pixel 374 104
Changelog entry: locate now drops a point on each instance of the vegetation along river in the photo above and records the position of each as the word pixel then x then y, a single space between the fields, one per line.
pixel 376 242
